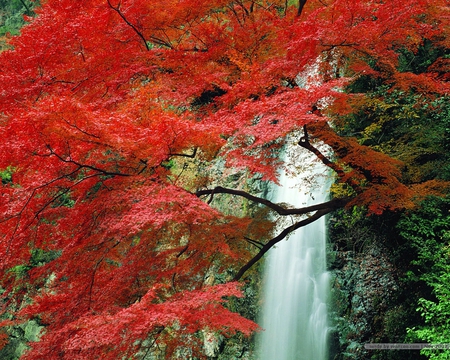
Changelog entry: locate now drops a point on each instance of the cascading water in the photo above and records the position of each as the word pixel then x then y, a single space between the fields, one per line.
pixel 296 281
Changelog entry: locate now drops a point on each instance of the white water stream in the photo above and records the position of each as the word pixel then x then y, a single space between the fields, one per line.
pixel 296 281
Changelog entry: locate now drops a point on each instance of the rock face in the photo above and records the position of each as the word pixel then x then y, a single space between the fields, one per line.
pixel 363 291
pixel 238 346
pixel 370 300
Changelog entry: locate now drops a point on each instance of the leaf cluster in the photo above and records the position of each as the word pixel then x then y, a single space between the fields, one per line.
pixel 428 230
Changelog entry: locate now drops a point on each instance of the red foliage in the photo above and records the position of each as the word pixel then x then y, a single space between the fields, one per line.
pixel 4 339
pixel 98 96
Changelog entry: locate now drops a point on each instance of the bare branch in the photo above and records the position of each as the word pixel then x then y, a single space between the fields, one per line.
pixel 85 166
pixel 278 238
pixel 29 12
pixel 192 155
pixel 75 126
pixel 161 42
pixel 332 204
pixel 258 244
pixel 319 209
pixel 306 144
pixel 301 5
pixel 117 10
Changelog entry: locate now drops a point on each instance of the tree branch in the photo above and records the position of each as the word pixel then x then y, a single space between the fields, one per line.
pixel 320 210
pixel 75 126
pixel 117 9
pixel 258 244
pixel 278 238
pixel 29 12
pixel 85 166
pixel 192 155
pixel 301 5
pixel 332 204
pixel 306 144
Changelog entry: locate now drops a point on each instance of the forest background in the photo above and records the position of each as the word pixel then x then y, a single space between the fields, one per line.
pixel 397 210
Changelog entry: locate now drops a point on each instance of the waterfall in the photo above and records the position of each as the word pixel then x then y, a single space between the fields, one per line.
pixel 296 283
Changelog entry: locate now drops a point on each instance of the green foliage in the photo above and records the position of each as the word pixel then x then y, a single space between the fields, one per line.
pixel 428 229
pixel 168 164
pixel 6 175
pixel 419 61
pixel 12 14
pixel 20 271
pixel 351 229
pixel 436 314
pixel 21 334
pixel 365 84
pixel 409 127
pixel 63 199
pixel 39 257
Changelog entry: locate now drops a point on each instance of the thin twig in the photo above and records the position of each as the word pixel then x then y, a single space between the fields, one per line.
pixel 117 9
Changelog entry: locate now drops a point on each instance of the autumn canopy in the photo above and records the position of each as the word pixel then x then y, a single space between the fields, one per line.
pixel 103 101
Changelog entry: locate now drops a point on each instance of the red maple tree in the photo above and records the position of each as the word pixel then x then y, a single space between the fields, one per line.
pixel 99 98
